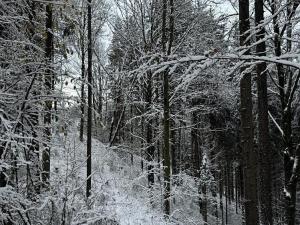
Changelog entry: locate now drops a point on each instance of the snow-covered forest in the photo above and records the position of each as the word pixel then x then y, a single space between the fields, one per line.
pixel 130 112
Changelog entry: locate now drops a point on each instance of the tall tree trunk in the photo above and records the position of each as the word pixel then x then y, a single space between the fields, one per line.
pixel 197 159
pixel 34 149
pixel 290 154
pixel 166 149
pixel 49 87
pixel 196 154
pixel 290 165
pixel 3 179
pixel 149 131
pixel 226 195
pixel 82 80
pixel 263 122
pixel 221 189
pixel 173 148
pixel 291 188
pixel 100 97
pixel 90 106
pixel 166 119
pixel 236 189
pixel 249 155
pixel 166 107
pixel 203 197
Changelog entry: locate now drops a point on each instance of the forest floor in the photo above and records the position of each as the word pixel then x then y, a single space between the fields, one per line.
pixel 120 193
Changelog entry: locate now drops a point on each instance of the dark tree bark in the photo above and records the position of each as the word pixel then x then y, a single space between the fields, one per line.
pixel 82 80
pixel 197 157
pixel 149 131
pixel 117 123
pixel 236 190
pixel 115 136
pixel 203 199
pixel 195 139
pixel 226 195
pixel 263 122
pixel 173 148
pixel 100 97
pixel 249 155
pixel 33 172
pixel 166 149
pixel 291 188
pixel 49 86
pixel 286 91
pixel 90 106
pixel 166 102
pixel 221 190
pixel 3 180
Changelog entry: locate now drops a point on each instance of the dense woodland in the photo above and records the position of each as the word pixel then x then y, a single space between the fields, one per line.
pixel 149 112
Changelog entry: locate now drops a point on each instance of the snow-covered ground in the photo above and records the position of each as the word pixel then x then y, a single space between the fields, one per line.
pixel 120 194
pixel 118 191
